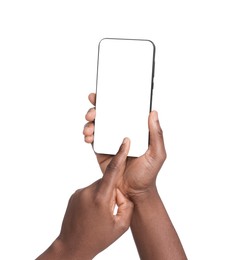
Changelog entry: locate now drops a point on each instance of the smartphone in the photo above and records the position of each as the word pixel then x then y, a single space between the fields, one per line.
pixel 124 86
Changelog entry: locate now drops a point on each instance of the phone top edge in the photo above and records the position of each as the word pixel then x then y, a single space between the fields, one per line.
pixel 127 39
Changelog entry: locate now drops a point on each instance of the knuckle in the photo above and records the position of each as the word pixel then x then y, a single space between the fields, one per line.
pixel 88 128
pixel 123 225
pixel 156 157
pixel 75 195
pixel 164 155
pixel 90 109
pixel 85 129
pixel 161 153
pixel 88 138
pixel 99 200
pixel 81 194
pixel 87 125
pixel 130 205
pixel 160 132
pixel 81 191
pixel 161 156
pixel 77 192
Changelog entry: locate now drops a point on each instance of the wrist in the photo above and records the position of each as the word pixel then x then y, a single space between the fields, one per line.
pixel 145 196
pixel 55 251
pixel 59 250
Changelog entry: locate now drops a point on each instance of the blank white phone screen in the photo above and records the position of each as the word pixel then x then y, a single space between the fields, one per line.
pixel 124 94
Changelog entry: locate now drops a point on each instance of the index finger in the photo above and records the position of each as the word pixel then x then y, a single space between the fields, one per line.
pixel 114 169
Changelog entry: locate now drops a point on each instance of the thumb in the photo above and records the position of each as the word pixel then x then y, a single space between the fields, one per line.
pixel 124 213
pixel 157 146
pixel 114 169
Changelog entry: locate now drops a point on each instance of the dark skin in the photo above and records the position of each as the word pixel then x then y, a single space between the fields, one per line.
pixel 89 225
pixel 152 229
pixel 140 173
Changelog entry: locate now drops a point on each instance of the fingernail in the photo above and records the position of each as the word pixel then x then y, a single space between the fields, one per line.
pixel 125 140
pixel 155 115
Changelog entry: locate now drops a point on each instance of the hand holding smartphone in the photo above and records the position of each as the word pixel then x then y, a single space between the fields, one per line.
pixel 123 94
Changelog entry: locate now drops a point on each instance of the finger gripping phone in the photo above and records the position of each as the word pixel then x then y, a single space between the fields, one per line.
pixel 124 84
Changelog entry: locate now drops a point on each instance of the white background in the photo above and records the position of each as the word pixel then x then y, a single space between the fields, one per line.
pixel 48 52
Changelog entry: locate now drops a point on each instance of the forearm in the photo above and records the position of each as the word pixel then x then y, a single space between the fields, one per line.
pixel 152 229
pixel 55 251
pixel 58 251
